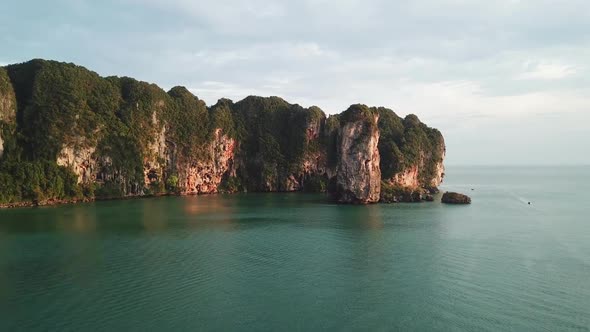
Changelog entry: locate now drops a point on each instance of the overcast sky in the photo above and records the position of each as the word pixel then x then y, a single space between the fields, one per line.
pixel 506 81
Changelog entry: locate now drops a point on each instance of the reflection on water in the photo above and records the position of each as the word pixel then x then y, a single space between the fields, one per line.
pixel 76 219
pixel 364 217
pixel 153 215
pixel 212 211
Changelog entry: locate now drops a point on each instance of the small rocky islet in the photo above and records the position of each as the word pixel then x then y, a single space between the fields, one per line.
pixel 68 134
pixel 455 198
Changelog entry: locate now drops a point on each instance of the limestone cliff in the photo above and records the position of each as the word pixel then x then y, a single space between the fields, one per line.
pixel 358 172
pixel 414 176
pixel 7 109
pixel 412 158
pixel 82 136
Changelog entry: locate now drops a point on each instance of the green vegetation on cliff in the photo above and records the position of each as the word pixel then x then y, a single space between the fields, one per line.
pixel 188 122
pixel 408 142
pixel 394 194
pixel 36 181
pixel 274 141
pixel 63 104
pixel 57 104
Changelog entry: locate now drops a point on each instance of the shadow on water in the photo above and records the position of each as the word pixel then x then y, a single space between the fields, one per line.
pixel 221 212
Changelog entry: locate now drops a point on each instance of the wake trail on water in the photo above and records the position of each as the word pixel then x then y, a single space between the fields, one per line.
pixel 524 201
pixel 559 238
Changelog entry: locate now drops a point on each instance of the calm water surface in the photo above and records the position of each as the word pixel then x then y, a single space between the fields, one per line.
pixel 296 262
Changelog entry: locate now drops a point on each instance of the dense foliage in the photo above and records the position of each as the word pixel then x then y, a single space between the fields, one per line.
pixel 36 181
pixel 7 98
pixel 330 139
pixel 358 112
pixel 188 122
pixel 393 194
pixel 273 139
pixel 54 106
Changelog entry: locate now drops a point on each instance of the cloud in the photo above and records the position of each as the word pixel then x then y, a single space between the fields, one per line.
pixel 547 71
pixel 466 67
pixel 211 91
pixel 284 51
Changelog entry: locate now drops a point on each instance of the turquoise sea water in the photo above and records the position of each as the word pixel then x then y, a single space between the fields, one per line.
pixel 283 262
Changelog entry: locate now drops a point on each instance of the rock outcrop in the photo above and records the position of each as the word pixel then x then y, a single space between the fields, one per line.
pixel 455 198
pixel 358 172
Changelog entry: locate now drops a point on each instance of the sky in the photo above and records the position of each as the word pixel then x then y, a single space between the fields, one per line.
pixel 506 81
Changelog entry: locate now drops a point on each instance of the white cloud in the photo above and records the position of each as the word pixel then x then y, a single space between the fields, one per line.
pixel 547 71
pixel 223 16
pixel 258 52
pixel 460 100
pixel 211 91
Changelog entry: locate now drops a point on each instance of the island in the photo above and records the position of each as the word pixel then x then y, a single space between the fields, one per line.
pixel 68 135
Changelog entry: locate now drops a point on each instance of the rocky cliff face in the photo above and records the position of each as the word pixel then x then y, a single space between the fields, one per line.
pixel 7 109
pixel 82 136
pixel 205 176
pixel 358 174
pixel 1 146
pixel 439 175
pixel 156 155
pixel 426 173
pixel 81 160
pixel 412 158
pixel 195 176
pixel 406 178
